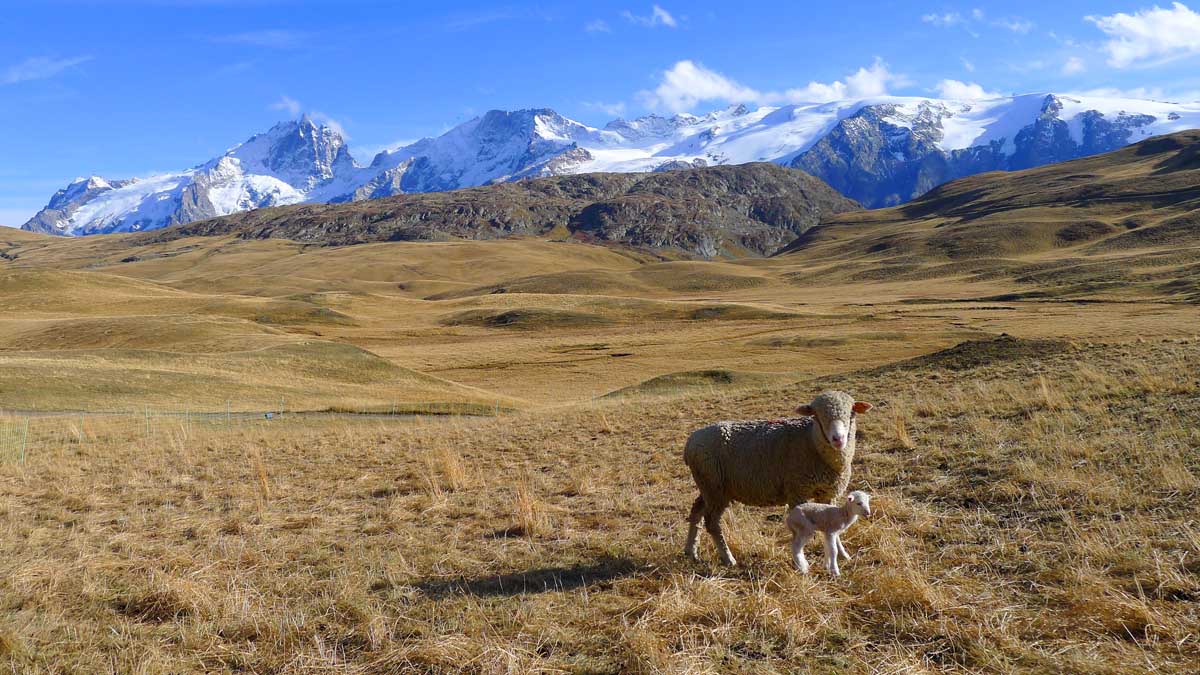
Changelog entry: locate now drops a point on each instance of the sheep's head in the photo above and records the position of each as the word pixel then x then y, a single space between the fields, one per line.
pixel 835 412
pixel 859 502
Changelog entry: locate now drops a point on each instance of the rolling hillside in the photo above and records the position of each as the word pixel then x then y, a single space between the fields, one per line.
pixel 1123 224
pixel 729 210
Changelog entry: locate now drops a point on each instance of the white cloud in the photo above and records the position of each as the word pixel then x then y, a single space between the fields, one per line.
pixel 977 14
pixel 967 65
pixel 944 20
pixel 864 82
pixel 276 39
pixel 293 108
pixel 1073 66
pixel 612 109
pixel 967 91
pixel 39 68
pixel 1017 25
pixel 322 118
pixel 688 83
pixel 657 17
pixel 1150 36
pixel 291 105
pixel 597 26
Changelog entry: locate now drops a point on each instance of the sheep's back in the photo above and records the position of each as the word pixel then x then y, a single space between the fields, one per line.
pixel 761 463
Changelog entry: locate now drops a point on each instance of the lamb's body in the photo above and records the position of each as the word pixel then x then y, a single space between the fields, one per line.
pixel 770 463
pixel 806 520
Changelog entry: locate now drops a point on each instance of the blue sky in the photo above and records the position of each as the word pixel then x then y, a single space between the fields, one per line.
pixel 127 88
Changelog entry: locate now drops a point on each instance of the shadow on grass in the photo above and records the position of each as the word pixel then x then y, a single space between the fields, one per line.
pixel 539 580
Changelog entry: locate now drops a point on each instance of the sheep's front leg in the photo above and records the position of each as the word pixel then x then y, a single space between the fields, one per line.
pixel 831 554
pixel 841 548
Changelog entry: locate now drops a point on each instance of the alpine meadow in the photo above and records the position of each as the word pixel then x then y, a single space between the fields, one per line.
pixel 289 412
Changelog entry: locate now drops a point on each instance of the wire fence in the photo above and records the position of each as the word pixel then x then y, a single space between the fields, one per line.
pixel 25 434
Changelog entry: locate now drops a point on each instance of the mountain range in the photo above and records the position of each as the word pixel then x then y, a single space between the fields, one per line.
pixel 880 151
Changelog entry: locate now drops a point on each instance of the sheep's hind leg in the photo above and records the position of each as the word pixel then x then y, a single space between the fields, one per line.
pixel 842 549
pixel 712 523
pixel 690 549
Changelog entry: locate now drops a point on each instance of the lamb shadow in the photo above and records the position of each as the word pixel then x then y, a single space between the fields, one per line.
pixel 540 580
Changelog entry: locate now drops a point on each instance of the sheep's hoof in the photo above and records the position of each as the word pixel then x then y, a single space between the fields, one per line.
pixel 728 560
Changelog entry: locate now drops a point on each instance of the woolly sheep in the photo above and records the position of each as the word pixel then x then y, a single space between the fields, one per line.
pixel 771 463
pixel 806 520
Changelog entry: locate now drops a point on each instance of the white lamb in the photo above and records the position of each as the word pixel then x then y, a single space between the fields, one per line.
pixel 806 520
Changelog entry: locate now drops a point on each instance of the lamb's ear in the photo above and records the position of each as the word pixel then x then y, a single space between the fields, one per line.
pixel 850 498
pixel 806 410
pixel 861 407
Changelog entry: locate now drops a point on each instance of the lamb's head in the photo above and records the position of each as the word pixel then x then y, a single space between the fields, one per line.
pixel 834 412
pixel 859 502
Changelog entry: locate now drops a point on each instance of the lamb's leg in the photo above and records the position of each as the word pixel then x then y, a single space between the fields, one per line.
pixel 690 549
pixel 841 548
pixel 799 539
pixel 831 554
pixel 712 523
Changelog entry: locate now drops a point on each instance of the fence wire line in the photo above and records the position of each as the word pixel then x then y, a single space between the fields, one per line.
pixel 25 434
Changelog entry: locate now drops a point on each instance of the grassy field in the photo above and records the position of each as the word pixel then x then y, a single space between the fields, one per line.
pixel 1034 457
pixel 1035 512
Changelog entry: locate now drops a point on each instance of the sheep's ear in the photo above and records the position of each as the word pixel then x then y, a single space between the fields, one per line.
pixel 806 410
pixel 850 498
pixel 861 407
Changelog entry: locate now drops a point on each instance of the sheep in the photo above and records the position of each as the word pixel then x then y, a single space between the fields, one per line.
pixel 771 463
pixel 806 520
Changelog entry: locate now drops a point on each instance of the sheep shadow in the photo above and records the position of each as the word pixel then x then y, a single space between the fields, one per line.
pixel 538 580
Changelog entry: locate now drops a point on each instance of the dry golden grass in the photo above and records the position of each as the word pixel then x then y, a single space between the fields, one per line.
pixel 1036 498
pixel 1036 512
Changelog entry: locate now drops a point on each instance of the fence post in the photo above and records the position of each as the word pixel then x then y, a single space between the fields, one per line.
pixel 24 439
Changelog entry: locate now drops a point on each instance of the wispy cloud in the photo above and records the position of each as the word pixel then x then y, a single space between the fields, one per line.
pixel 338 128
pixel 597 26
pixel 1073 66
pixel 688 83
pixel 1016 25
pixel 976 19
pixel 944 20
pixel 1150 36
pixel 287 103
pixel 611 109
pixel 272 38
pixel 293 108
pixel 39 68
pixel 967 64
pixel 467 20
pixel 657 17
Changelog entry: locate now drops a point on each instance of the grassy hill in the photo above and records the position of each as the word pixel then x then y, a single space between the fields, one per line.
pixel 1116 226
